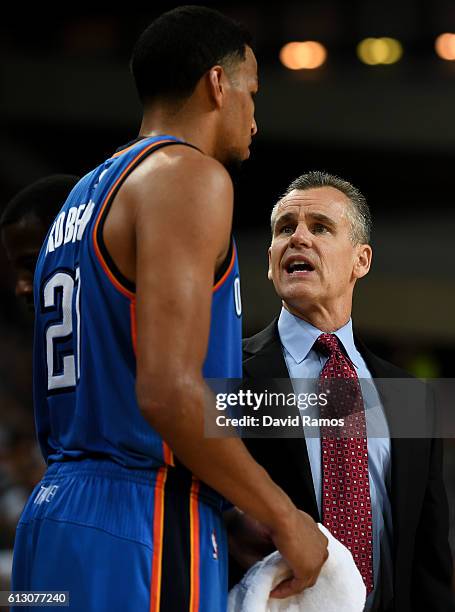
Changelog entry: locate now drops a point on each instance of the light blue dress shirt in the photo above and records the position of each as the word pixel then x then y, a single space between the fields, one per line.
pixel 304 362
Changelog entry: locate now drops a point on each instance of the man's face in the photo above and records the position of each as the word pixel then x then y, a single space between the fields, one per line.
pixel 239 123
pixel 22 241
pixel 313 262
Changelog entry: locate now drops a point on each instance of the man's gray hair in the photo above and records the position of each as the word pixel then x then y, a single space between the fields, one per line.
pixel 358 213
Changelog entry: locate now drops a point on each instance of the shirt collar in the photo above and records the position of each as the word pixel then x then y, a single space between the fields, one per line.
pixel 298 336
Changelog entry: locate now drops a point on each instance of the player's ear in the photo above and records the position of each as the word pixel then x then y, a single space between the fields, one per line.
pixel 216 77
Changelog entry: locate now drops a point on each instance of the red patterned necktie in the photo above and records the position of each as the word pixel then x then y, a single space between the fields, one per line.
pixel 346 502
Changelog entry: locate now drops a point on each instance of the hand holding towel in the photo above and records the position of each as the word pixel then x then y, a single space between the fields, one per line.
pixel 339 587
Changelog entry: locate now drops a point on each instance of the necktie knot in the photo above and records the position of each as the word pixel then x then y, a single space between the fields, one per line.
pixel 327 344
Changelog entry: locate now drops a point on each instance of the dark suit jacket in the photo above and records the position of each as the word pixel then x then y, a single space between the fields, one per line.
pixel 422 561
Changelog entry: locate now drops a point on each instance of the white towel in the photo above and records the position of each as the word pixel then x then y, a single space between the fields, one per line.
pixel 339 587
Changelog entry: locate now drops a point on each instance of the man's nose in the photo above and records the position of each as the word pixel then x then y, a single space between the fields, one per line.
pixel 254 127
pixel 24 288
pixel 301 236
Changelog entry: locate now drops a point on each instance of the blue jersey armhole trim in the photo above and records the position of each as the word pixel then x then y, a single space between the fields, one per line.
pixel 113 269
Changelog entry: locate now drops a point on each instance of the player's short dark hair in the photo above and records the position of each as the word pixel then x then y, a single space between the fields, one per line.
pixel 180 46
pixel 44 198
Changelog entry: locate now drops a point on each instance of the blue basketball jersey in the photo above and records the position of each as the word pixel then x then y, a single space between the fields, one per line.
pixel 85 330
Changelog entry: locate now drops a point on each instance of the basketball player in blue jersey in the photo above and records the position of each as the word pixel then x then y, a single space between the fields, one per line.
pixel 137 300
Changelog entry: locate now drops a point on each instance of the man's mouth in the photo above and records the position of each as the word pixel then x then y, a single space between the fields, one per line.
pixel 298 267
pixel 28 303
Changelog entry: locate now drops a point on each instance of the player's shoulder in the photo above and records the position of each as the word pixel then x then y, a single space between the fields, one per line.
pixel 181 165
pixel 181 180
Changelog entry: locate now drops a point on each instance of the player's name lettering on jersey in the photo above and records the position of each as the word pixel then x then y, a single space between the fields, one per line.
pixel 69 226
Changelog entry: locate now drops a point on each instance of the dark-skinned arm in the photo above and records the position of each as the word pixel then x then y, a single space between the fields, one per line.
pixel 182 234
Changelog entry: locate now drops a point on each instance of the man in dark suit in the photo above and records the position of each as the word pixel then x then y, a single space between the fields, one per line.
pixel 320 248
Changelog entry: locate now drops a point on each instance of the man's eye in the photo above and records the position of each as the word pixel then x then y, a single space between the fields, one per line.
pixel 319 228
pixel 29 264
pixel 286 229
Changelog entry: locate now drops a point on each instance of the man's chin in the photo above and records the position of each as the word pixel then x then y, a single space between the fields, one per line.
pixel 27 307
pixel 297 296
pixel 234 166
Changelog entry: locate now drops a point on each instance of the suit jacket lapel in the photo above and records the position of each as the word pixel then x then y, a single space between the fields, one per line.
pixel 404 461
pixel 263 359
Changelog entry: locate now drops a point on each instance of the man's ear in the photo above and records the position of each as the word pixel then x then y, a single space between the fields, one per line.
pixel 269 272
pixel 216 78
pixel 362 263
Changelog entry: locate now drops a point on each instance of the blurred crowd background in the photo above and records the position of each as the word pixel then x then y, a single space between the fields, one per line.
pixel 67 102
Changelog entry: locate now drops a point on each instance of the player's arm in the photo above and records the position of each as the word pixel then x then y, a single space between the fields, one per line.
pixel 249 541
pixel 182 231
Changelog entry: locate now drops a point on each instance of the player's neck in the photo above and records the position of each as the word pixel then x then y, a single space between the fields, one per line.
pixel 185 125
